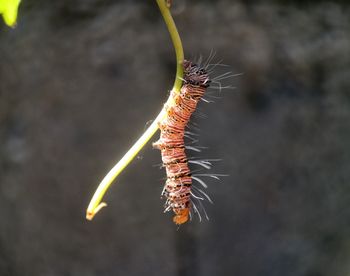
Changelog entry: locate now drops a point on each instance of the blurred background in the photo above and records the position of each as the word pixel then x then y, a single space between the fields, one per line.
pixel 80 79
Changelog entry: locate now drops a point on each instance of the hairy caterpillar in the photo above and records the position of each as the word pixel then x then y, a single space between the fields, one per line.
pixel 177 188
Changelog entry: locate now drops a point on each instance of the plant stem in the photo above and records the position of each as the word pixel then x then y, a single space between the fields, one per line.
pixel 175 37
pixel 95 203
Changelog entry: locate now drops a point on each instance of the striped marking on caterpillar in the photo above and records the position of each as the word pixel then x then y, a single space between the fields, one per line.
pixel 177 188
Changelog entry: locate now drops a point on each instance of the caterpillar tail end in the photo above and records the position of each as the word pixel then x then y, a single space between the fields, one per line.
pixel 181 216
pixel 91 213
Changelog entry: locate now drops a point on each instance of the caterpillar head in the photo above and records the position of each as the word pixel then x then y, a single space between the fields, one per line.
pixel 195 75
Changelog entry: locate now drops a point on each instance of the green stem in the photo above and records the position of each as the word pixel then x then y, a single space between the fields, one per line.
pixel 95 203
pixel 175 37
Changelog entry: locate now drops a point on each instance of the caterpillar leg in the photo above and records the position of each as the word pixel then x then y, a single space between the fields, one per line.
pixel 181 216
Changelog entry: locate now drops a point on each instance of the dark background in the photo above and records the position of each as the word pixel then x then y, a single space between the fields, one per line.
pixel 80 79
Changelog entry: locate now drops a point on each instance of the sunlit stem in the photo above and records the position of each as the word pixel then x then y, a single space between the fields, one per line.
pixel 95 204
pixel 175 37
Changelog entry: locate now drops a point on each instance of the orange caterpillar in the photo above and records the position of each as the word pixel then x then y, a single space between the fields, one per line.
pixel 177 188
